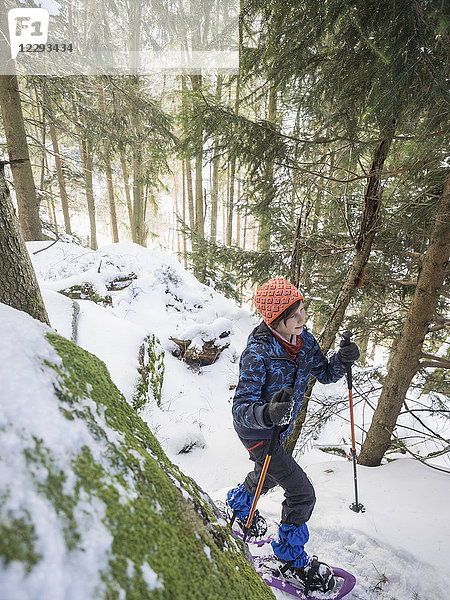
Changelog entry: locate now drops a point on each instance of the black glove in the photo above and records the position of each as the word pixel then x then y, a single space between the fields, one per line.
pixel 279 413
pixel 348 352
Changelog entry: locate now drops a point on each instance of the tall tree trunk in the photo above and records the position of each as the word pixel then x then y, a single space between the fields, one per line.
pixel 126 183
pixel 215 172
pixel 264 219
pixel 232 175
pixel 51 200
pixel 61 181
pixel 238 217
pixel 112 201
pixel 87 163
pixel 59 169
pixel 196 81
pixel 176 229
pixel 108 171
pixel 16 142
pixel 183 180
pixel 190 194
pixel 300 231
pixel 405 361
pixel 19 287
pixel 231 202
pixel 39 119
pixel 139 232
pixel 367 232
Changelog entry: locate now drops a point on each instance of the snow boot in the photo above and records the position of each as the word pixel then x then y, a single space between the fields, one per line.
pixel 238 505
pixel 258 526
pixel 315 575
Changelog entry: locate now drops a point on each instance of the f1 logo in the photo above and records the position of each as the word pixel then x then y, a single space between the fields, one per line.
pixel 27 26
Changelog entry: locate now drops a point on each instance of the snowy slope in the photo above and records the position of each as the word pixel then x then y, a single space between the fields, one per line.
pixel 398 549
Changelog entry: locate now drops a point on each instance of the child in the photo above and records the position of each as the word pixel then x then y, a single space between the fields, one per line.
pixel 281 352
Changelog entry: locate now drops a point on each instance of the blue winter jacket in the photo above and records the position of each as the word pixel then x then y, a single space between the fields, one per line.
pixel 265 368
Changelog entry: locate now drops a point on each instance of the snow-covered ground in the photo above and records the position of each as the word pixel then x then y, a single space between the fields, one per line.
pixel 399 549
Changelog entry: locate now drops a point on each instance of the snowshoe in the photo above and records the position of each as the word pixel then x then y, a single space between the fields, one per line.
pixel 314 576
pixel 336 582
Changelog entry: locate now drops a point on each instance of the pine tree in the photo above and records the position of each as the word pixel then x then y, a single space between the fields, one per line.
pixel 19 287
pixel 16 140
pixel 406 358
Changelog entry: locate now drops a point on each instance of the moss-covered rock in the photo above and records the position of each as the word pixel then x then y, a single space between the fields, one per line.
pixel 151 373
pixel 86 291
pixel 162 537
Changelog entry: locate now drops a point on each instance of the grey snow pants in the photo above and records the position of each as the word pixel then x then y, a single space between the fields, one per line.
pixel 283 470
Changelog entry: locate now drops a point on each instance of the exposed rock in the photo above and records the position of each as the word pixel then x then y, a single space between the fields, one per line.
pixel 86 291
pixel 120 282
pixel 196 357
pixel 108 496
pixel 151 372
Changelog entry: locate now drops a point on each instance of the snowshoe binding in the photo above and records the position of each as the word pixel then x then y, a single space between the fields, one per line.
pixel 258 526
pixel 314 576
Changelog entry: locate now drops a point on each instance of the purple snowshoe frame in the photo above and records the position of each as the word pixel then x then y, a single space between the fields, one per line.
pixel 348 584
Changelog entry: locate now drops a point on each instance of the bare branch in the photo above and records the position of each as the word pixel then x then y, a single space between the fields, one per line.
pixel 444 362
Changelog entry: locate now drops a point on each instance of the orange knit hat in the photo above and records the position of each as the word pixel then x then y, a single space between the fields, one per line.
pixel 274 296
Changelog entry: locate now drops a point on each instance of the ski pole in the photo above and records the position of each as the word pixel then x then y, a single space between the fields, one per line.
pixel 285 397
pixel 355 506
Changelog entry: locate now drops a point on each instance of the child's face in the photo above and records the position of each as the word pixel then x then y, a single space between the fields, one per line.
pixel 294 324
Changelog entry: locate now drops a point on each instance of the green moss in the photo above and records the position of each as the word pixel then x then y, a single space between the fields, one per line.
pixel 151 372
pixel 150 520
pixel 52 487
pixel 85 291
pixel 17 540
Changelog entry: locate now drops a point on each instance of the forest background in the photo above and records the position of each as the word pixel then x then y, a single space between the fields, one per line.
pixel 323 159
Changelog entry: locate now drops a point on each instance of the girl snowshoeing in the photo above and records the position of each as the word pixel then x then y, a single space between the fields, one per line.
pixel 281 353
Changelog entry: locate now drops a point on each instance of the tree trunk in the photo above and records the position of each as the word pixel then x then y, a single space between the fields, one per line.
pixel 300 231
pixel 176 229
pixel 61 181
pixel 368 229
pixel 232 176
pixel 196 81
pixel 363 246
pixel 405 362
pixel 19 287
pixel 126 183
pixel 264 220
pixel 215 172
pixel 109 172
pixel 183 187
pixel 190 194
pixel 138 230
pixel 229 239
pixel 238 217
pixel 112 202
pixel 87 163
pixel 16 142
pixel 199 212
pixel 58 165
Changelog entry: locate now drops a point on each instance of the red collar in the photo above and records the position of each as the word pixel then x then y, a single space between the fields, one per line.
pixel 291 349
